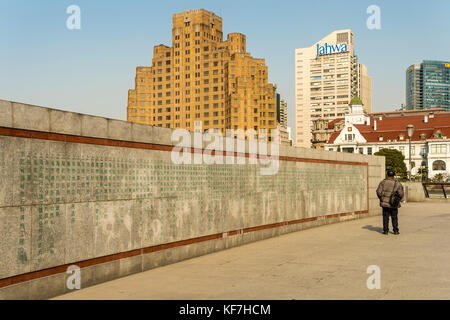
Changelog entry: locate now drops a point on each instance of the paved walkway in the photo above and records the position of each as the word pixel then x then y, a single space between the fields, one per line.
pixel 327 262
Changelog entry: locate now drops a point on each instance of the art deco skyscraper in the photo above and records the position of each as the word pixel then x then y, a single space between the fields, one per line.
pixel 203 78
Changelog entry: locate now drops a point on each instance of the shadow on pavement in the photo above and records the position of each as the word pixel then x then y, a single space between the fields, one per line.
pixel 372 228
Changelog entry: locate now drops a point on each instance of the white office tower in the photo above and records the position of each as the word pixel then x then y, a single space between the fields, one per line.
pixel 326 79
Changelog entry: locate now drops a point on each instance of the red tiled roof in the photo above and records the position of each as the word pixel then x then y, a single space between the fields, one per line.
pixel 333 122
pixel 333 137
pixel 408 111
pixel 391 128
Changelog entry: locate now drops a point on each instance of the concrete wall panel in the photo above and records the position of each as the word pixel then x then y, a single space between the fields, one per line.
pixel 7 175
pixel 48 236
pixel 80 232
pixel 5 114
pixel 15 247
pixel 94 126
pixel 65 122
pixel 29 117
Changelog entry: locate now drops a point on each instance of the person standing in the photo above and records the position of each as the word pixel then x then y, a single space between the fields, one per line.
pixel 384 191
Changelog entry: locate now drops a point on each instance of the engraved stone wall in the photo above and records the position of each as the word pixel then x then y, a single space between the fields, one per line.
pixel 63 201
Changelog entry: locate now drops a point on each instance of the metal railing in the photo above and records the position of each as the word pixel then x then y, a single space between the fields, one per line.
pixel 436 189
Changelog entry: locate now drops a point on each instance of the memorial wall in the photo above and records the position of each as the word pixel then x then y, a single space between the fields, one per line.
pixel 105 196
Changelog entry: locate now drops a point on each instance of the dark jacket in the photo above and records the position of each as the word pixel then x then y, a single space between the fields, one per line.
pixel 386 188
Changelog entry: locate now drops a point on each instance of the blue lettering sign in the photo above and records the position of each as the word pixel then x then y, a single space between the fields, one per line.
pixel 331 49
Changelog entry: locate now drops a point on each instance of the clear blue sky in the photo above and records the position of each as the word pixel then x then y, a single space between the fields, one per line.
pixel 90 70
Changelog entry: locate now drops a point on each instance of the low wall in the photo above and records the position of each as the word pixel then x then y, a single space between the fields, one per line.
pixel 415 191
pixel 104 195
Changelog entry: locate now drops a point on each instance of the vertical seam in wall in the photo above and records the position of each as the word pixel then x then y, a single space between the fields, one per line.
pixel 12 115
pixel 31 234
pixel 81 122
pixel 142 258
pixel 12 191
pixel 49 121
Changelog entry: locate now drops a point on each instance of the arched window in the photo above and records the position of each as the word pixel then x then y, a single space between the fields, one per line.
pixel 439 165
pixel 413 164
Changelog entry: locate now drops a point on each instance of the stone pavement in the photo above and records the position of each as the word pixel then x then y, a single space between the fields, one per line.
pixel 327 262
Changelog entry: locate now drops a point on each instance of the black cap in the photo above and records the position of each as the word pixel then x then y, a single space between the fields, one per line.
pixel 390 173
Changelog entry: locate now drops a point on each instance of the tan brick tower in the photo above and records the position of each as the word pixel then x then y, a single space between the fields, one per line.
pixel 203 78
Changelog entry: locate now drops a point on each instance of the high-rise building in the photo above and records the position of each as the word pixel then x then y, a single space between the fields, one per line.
pixel 326 79
pixel 428 85
pixel 414 87
pixel 282 113
pixel 365 88
pixel 282 121
pixel 203 78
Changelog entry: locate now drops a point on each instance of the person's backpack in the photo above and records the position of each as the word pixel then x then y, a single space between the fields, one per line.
pixel 395 198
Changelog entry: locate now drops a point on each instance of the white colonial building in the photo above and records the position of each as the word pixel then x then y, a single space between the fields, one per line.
pixel 367 134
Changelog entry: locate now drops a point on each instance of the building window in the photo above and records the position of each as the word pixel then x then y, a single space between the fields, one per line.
pixel 439 165
pixel 349 137
pixel 438 148
pixel 369 151
pixel 423 151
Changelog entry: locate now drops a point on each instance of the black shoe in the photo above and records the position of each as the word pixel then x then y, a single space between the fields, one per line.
pixel 385 232
pixel 396 232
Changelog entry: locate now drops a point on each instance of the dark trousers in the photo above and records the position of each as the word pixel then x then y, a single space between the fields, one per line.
pixel 393 212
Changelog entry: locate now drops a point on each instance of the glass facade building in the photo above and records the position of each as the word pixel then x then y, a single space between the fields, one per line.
pixel 414 87
pixel 436 84
pixel 428 85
